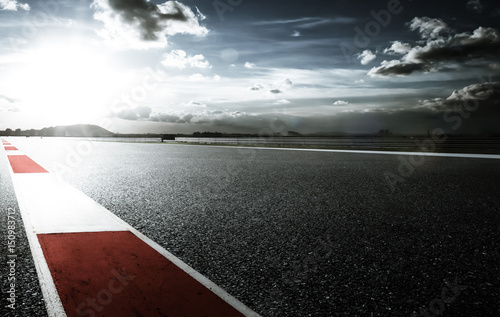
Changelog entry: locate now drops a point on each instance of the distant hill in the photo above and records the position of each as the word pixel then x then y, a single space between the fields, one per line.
pixel 78 130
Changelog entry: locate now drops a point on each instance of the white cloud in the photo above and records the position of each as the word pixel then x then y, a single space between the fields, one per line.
pixel 141 24
pixel 200 15
pixel 197 104
pixel 200 77
pixel 131 113
pixel 285 84
pixel 282 102
pixel 429 28
pixel 280 86
pixel 340 103
pixel 179 59
pixel 249 65
pixel 272 89
pixel 296 34
pixel 495 66
pixel 398 48
pixel 197 77
pixel 257 87
pixel 366 57
pixel 13 5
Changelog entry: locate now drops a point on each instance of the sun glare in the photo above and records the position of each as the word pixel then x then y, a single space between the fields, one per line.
pixel 66 82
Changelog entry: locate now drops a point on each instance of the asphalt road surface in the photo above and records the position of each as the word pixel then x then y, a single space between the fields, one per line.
pixel 292 233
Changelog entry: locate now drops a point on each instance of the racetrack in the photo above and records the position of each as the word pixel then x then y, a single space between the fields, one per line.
pixel 298 233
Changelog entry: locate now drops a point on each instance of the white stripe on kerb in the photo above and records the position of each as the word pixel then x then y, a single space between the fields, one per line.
pixel 49 291
pixel 56 207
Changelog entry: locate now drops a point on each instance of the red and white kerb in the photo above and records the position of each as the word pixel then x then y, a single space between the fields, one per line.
pixel 92 263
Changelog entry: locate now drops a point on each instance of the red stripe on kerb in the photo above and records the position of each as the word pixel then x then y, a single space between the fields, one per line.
pixel 6 143
pixel 10 148
pixel 23 164
pixel 118 274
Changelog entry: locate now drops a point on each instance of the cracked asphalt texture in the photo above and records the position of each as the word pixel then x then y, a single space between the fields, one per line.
pixel 294 233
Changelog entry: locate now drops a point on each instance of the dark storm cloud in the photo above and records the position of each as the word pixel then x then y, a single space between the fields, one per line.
pixel 171 118
pixel 201 117
pixel 147 14
pixel 395 68
pixel 478 97
pixel 472 109
pixel 439 49
pixel 475 5
pixel 483 42
pixel 166 118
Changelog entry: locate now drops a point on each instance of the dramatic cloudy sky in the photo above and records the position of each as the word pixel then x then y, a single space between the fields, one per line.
pixel 251 66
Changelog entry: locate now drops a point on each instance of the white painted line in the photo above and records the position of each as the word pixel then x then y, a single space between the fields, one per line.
pixel 14 152
pixel 436 154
